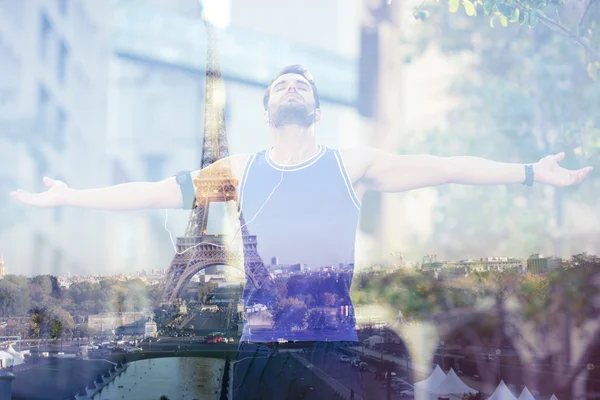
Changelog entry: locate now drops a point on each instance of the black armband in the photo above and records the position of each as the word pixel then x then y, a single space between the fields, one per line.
pixel 528 175
pixel 184 180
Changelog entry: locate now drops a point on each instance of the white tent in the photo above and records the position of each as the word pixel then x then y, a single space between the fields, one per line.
pixel 526 395
pixel 424 388
pixel 436 377
pixel 18 357
pixel 553 397
pixel 6 359
pixel 502 392
pixel 453 385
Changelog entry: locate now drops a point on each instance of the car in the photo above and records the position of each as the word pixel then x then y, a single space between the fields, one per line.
pixel 403 387
pixel 281 340
pixel 345 359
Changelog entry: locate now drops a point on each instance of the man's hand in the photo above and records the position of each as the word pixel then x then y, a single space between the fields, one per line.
pixel 54 197
pixel 548 171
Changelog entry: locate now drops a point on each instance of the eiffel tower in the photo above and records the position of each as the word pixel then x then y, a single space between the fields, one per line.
pixel 198 249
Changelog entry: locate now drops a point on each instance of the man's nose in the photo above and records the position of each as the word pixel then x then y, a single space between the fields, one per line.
pixel 292 86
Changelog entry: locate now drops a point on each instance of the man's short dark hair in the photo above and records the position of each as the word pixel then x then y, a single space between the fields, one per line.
pixel 294 69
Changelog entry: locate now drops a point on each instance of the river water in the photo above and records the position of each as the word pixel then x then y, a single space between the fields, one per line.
pixel 178 378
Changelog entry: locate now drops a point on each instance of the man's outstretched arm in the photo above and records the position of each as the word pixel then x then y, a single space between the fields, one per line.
pixel 165 194
pixel 388 172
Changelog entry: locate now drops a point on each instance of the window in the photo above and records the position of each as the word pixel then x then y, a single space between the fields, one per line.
pixel 60 133
pixel 155 164
pixel 61 69
pixel 45 33
pixel 43 117
pixel 41 167
pixel 13 12
pixel 63 7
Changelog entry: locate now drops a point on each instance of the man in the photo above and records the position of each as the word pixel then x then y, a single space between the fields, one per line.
pixel 302 201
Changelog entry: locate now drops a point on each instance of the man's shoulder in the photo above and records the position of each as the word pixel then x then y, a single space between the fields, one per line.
pixel 356 155
pixel 233 164
pixel 238 163
pixel 356 160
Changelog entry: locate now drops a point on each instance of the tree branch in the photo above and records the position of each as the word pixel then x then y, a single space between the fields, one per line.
pixel 560 28
pixel 557 26
pixel 587 8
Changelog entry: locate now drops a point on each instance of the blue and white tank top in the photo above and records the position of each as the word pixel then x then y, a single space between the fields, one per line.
pixel 305 218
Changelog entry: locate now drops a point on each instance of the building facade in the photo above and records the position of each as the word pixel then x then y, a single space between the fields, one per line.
pixel 53 79
pixel 538 264
pixel 109 322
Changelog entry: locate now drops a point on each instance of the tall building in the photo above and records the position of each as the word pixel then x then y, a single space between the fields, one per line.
pixel 53 78
pixel 538 264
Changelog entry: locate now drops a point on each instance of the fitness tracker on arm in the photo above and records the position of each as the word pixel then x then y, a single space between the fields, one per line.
pixel 528 175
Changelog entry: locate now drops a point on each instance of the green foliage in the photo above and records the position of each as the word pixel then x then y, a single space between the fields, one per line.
pixel 525 94
pixel 316 319
pixel 289 312
pixel 15 299
pixel 50 323
pixel 51 309
pixel 575 20
pixel 572 289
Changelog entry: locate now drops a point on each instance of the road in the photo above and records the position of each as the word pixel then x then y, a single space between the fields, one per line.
pixel 345 374
pixel 205 322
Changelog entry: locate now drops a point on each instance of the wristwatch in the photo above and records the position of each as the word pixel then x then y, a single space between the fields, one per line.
pixel 184 180
pixel 528 175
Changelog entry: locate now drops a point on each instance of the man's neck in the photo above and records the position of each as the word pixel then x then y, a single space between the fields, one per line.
pixel 293 145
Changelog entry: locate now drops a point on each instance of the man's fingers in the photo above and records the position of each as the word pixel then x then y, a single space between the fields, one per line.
pixel 27 198
pixel 48 181
pixel 579 175
pixel 583 173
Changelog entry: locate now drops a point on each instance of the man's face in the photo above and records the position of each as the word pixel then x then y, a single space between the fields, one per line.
pixel 291 102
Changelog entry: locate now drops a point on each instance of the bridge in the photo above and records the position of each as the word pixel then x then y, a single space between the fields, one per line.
pixel 218 351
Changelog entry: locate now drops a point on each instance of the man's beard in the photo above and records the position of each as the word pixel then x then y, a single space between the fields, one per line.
pixel 292 114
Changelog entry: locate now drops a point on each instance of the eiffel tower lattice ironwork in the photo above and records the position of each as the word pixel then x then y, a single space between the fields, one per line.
pixel 198 249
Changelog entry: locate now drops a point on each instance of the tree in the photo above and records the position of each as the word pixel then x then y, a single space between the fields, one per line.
pixel 48 285
pixel 330 299
pixel 524 94
pixel 51 323
pixel 574 20
pixel 316 319
pixel 289 313
pixel 14 296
